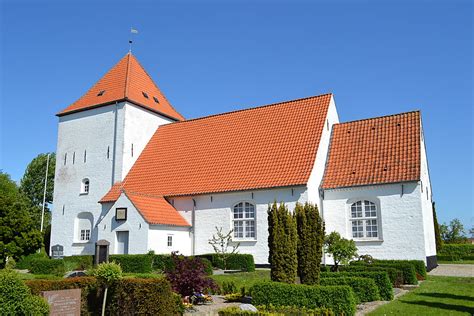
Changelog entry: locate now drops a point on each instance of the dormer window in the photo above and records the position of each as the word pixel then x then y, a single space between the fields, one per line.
pixel 85 186
pixel 156 100
pixel 145 94
pixel 101 92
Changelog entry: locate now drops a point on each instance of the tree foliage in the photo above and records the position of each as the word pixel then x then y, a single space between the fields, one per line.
pixel 310 228
pixel 32 183
pixel 453 233
pixel 221 244
pixel 19 236
pixel 342 250
pixel 282 243
pixel 438 240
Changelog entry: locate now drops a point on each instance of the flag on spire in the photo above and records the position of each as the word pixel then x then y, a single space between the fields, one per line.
pixel 133 31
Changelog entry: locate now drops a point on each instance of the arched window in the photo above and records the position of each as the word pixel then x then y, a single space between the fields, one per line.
pixel 85 186
pixel 364 220
pixel 83 226
pixel 244 220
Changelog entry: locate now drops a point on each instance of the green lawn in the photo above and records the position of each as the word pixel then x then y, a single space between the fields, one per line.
pixel 246 279
pixel 457 262
pixel 438 295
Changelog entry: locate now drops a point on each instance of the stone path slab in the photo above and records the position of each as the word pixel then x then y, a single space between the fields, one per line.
pixel 456 270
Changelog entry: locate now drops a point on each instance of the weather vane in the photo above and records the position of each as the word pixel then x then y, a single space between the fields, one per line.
pixel 130 41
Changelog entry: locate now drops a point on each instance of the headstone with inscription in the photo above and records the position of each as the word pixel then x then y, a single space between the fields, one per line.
pixel 57 252
pixel 63 302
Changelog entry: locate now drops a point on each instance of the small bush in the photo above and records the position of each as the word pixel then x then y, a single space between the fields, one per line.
pixel 395 276
pixel 340 299
pixel 365 289
pixel 143 297
pixel 47 266
pixel 276 311
pixel 236 261
pixel 419 266
pixel 325 268
pixel 79 262
pixel 25 262
pixel 134 263
pixel 188 276
pixel 235 297
pixel 16 298
pixel 380 278
pixel 162 262
pixel 229 287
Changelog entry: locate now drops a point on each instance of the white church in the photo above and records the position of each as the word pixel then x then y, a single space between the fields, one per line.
pixel 133 171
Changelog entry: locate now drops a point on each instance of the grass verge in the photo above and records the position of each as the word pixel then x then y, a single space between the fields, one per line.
pixel 438 295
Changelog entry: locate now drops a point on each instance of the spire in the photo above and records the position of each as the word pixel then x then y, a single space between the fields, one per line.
pixel 126 81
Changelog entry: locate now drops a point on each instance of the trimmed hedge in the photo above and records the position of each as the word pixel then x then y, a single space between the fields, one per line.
pixel 456 252
pixel 162 262
pixel 276 311
pixel 365 289
pixel 419 266
pixel 134 263
pixel 380 278
pixel 25 262
pixel 236 261
pixel 47 266
pixel 144 297
pixel 340 299
pixel 82 262
pixel 395 275
pixel 127 297
pixel 408 270
pixel 91 294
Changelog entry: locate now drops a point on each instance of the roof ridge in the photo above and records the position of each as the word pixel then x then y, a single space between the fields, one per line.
pixel 127 73
pixel 156 86
pixel 155 196
pixel 379 117
pixel 251 108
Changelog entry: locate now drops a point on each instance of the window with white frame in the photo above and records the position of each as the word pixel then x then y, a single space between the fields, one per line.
pixel 364 220
pixel 85 186
pixel 244 220
pixel 170 241
pixel 83 226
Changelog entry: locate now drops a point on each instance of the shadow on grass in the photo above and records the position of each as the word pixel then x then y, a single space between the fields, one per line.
pixel 446 295
pixel 450 307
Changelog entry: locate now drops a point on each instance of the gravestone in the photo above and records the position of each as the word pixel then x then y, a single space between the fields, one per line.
pixel 63 302
pixel 57 252
pixel 101 251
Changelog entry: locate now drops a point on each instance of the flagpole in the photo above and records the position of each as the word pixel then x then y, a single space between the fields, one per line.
pixel 44 192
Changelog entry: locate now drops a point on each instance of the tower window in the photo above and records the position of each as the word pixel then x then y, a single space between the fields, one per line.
pixel 156 100
pixel 85 186
pixel 145 94
pixel 108 152
pixel 100 93
pixel 73 157
pixel 132 149
pixel 65 158
pixel 85 156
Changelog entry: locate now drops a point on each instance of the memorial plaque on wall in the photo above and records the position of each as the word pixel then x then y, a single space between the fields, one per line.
pixel 64 302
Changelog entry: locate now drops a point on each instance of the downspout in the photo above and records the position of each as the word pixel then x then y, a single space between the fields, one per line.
pixel 193 223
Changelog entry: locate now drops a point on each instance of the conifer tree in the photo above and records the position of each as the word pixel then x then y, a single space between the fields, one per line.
pixel 282 240
pixel 439 241
pixel 310 228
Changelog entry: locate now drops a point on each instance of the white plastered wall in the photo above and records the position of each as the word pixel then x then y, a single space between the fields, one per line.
pixel 400 219
pixel 158 239
pixel 317 173
pixel 215 210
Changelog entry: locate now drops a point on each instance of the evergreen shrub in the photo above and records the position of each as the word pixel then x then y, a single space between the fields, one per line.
pixel 236 261
pixel 365 289
pixel 419 266
pixel 47 266
pixel 134 263
pixel 456 252
pixel 25 262
pixel 340 299
pixel 82 262
pixel 276 311
pixel 380 278
pixel 395 275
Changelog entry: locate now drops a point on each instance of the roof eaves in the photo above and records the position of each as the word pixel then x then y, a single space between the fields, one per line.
pixel 369 184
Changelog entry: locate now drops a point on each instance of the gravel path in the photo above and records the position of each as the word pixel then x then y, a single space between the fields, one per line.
pixel 458 270
pixel 210 309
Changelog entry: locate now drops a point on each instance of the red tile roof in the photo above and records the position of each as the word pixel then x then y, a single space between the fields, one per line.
pixel 127 80
pixel 263 147
pixel 113 194
pixel 374 151
pixel 156 210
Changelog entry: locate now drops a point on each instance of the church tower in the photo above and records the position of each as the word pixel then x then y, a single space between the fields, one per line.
pixel 100 136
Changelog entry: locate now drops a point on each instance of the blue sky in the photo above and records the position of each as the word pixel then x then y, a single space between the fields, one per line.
pixel 377 57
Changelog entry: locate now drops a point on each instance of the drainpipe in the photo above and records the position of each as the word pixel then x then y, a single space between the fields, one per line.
pixel 193 223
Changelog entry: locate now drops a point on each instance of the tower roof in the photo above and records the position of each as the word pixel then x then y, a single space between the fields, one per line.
pixel 126 81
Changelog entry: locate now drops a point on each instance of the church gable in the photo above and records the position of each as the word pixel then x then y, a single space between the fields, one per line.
pixel 374 151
